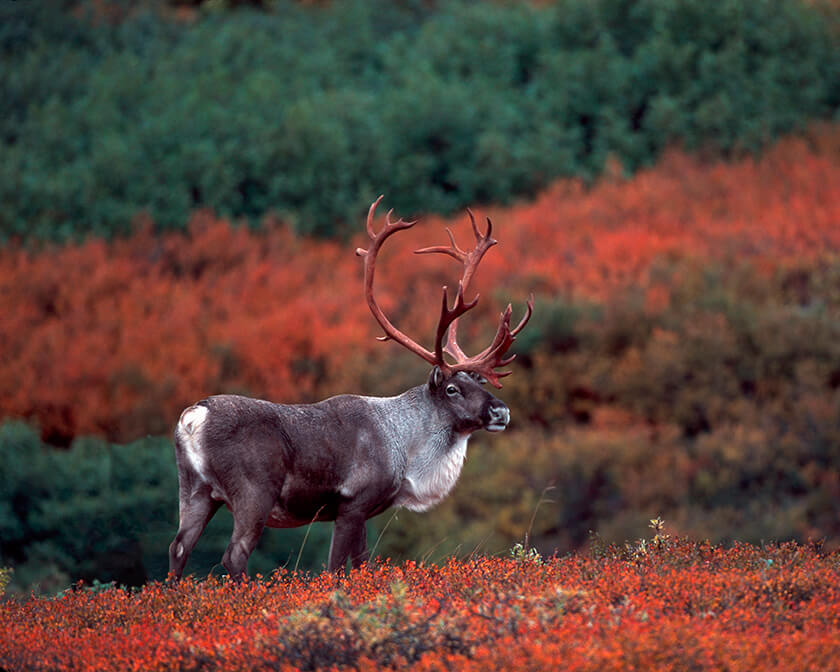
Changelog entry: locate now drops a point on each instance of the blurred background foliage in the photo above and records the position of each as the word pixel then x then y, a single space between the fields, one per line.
pixel 684 358
pixel 310 112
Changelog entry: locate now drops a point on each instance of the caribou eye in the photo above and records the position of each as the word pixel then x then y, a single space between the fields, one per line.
pixel 451 390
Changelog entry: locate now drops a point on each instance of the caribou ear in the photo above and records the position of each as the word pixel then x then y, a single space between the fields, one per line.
pixel 436 378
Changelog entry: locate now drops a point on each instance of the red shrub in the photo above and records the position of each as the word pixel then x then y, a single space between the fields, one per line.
pixel 662 605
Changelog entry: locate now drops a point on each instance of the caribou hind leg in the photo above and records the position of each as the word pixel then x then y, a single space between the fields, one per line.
pixel 250 514
pixel 196 510
pixel 195 500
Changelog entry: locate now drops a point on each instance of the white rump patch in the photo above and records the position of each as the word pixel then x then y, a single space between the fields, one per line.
pixel 427 484
pixel 191 432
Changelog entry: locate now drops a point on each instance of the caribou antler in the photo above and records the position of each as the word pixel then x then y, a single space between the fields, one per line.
pixel 492 357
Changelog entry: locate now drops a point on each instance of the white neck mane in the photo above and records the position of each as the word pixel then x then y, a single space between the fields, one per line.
pixel 431 476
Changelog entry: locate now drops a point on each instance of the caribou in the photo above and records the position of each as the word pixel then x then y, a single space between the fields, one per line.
pixel 349 457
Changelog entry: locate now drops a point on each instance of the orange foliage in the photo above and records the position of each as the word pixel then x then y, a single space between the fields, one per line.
pixel 659 605
pixel 115 338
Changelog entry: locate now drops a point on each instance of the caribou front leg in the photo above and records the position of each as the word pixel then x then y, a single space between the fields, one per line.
pixel 349 540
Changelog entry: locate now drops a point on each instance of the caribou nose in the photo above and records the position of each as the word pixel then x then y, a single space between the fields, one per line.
pixel 499 418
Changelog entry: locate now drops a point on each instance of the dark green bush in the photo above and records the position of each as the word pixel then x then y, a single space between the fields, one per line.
pixel 312 112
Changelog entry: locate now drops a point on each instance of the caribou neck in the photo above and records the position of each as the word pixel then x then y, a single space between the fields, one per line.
pixel 434 454
pixel 418 429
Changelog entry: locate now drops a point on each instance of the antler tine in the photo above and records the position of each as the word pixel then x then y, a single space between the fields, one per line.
pixel 389 227
pixel 500 343
pixel 476 232
pixel 369 224
pixel 492 356
pixel 448 317
pixel 529 309
pixel 482 244
pixel 453 250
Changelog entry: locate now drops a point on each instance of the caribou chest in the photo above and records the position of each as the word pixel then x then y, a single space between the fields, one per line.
pixel 429 477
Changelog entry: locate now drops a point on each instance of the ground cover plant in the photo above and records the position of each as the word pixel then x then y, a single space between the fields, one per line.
pixel 657 604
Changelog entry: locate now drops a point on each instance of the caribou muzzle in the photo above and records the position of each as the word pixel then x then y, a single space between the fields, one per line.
pixel 498 417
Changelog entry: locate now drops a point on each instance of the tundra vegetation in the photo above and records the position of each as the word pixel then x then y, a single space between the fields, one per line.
pixel 655 604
